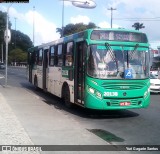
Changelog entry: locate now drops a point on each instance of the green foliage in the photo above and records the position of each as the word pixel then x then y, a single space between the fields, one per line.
pixel 17 55
pixel 138 26
pixel 20 40
pixel 19 44
pixel 74 28
pixel 2 25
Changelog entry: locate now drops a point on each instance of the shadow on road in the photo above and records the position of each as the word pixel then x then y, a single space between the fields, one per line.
pixel 77 110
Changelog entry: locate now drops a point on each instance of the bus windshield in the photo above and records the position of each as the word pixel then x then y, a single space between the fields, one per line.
pixel 118 62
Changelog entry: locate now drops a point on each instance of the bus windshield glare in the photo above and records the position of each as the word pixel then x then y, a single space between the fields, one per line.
pixel 118 62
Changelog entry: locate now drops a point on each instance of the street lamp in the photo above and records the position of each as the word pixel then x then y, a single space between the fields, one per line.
pixel 2 45
pixel 15 33
pixel 33 25
pixel 87 4
pixel 7 38
pixel 62 19
pixel 2 51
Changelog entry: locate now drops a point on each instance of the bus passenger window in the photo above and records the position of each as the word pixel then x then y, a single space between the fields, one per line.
pixel 40 57
pixel 69 54
pixel 35 57
pixel 51 58
pixel 60 62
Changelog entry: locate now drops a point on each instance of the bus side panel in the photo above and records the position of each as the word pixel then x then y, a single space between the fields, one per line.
pixel 57 81
pixel 34 73
pixel 54 81
pixel 40 76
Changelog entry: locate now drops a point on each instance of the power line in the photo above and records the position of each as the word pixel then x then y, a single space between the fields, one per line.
pixel 140 19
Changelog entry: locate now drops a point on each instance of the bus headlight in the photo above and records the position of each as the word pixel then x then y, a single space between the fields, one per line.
pixel 146 92
pixel 94 92
pixel 91 90
pixel 98 94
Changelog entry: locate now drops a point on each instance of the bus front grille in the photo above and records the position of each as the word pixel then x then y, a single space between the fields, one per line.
pixel 133 102
pixel 123 86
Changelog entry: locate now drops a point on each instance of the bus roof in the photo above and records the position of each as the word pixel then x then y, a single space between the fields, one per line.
pixel 82 35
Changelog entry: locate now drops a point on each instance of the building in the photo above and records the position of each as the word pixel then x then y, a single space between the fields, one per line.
pixel 155 58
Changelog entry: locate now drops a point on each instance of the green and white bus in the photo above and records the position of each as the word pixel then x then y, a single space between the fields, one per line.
pixel 104 69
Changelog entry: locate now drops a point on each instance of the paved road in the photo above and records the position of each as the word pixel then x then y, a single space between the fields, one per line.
pixel 46 120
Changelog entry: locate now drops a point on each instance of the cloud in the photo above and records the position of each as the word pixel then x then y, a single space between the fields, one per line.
pixel 107 25
pixel 143 10
pixel 79 19
pixel 45 31
pixel 12 12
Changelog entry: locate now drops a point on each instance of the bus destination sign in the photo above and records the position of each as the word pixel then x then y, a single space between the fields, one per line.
pixel 118 36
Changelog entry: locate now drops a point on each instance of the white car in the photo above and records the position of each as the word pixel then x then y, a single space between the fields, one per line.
pixel 155 73
pixel 2 66
pixel 155 84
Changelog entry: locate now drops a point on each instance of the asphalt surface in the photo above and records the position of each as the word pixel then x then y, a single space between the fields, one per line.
pixel 29 117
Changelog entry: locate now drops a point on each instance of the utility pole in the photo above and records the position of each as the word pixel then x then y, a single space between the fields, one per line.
pixel 111 9
pixel 2 51
pixel 33 24
pixel 7 41
pixel 62 33
pixel 15 33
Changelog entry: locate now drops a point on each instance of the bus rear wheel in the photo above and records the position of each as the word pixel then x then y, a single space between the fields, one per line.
pixel 66 97
pixel 36 84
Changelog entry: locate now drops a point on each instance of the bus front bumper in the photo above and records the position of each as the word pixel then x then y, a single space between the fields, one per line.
pixel 93 102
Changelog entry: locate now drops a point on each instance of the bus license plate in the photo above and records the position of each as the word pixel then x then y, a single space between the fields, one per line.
pixel 125 103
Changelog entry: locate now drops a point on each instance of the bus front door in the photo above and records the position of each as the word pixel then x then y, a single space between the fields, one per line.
pixel 45 69
pixel 30 65
pixel 79 74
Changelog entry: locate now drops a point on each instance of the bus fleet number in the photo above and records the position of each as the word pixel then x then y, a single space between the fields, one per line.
pixel 110 93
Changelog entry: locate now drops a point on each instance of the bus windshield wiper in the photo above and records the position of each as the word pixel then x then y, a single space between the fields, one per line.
pixel 134 50
pixel 111 52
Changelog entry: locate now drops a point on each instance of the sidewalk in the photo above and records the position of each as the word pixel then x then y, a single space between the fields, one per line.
pixel 25 119
pixel 11 131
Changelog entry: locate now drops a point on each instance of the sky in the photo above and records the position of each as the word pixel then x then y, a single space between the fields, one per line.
pixel 47 16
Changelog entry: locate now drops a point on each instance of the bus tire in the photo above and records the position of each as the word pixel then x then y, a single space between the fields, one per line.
pixel 35 83
pixel 66 96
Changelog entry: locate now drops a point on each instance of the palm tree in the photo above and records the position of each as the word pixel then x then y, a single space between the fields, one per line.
pixel 60 31
pixel 138 26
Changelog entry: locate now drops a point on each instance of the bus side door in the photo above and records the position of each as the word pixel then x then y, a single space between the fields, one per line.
pixel 30 66
pixel 45 69
pixel 79 73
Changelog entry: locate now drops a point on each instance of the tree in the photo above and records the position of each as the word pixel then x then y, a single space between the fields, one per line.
pixel 138 26
pixel 91 25
pixel 74 28
pixel 17 55
pixel 20 40
pixel 59 30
